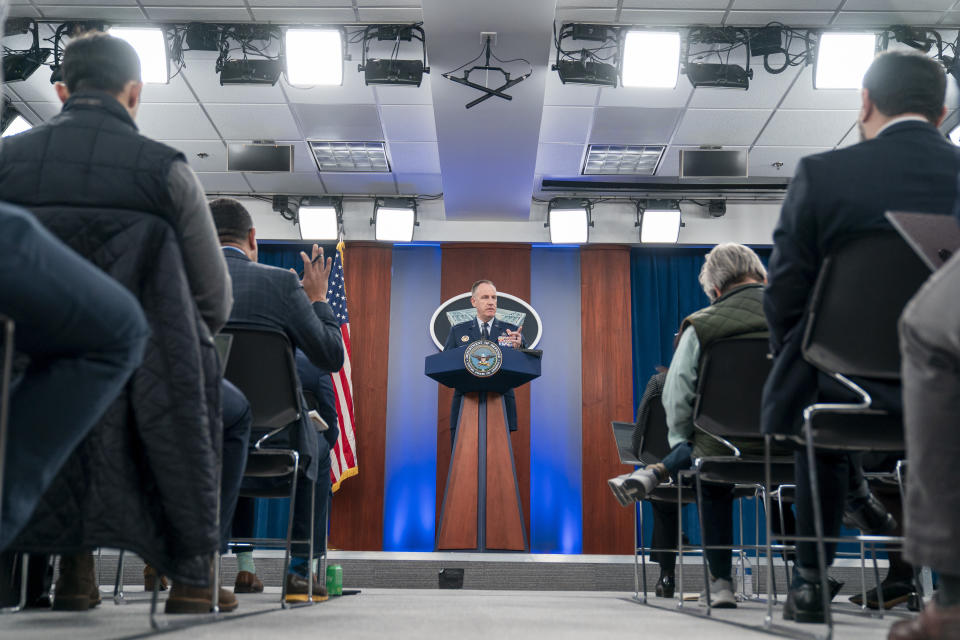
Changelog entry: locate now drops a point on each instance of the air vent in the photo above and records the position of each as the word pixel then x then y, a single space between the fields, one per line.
pixel 620 160
pixel 350 157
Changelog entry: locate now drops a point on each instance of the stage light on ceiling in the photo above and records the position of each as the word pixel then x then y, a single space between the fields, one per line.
pixel 954 135
pixel 319 219
pixel 314 57
pixel 394 219
pixel 651 59
pixel 842 60
pixel 19 124
pixel 659 224
pixel 151 46
pixel 568 221
pixel 392 70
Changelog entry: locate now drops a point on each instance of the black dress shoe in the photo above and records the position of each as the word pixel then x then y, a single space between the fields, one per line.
pixel 894 593
pixel 869 516
pixel 804 602
pixel 833 586
pixel 665 586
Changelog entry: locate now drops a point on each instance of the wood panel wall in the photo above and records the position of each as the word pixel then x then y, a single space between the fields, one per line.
pixel 356 517
pixel 508 266
pixel 607 392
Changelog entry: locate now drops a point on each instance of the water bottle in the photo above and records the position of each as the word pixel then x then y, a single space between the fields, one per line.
pixel 747 577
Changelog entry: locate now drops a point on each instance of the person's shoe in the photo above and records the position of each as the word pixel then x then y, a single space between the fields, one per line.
pixel 933 623
pixel 77 588
pixel 631 487
pixel 869 516
pixel 804 603
pixel 833 586
pixel 187 599
pixel 247 582
pixel 297 587
pixel 894 593
pixel 150 578
pixel 665 586
pixel 721 594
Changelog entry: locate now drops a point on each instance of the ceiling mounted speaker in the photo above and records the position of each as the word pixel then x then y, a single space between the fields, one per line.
pixel 713 163
pixel 260 157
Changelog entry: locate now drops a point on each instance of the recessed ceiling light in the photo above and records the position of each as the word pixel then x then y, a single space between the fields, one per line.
pixel 151 46
pixel 651 59
pixel 18 125
pixel 314 56
pixel 842 60
pixel 620 159
pixel 351 157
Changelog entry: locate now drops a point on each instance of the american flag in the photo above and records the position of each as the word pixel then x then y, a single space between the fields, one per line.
pixel 344 454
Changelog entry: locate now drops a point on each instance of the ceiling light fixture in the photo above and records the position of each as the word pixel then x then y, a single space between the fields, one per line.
pixel 350 157
pixel 705 44
pixel 17 125
pixel 392 71
pixel 595 62
pixel 20 65
pixel 651 59
pixel 842 59
pixel 622 159
pixel 314 57
pixel 320 218
pixel 954 135
pixel 569 221
pixel 151 46
pixel 659 222
pixel 394 219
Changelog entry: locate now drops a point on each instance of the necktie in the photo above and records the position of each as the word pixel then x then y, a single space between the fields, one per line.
pixel 486 331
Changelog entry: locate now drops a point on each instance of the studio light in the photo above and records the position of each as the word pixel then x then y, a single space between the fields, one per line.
pixel 151 46
pixel 314 57
pixel 591 55
pixel 586 72
pixel 319 219
pixel 659 223
pixel 19 124
pixel 394 219
pixel 954 135
pixel 250 71
pixel 392 70
pixel 651 59
pixel 842 60
pixel 568 221
pixel 21 65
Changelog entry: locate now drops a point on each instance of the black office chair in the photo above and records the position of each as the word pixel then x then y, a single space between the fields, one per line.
pixel 262 366
pixel 851 332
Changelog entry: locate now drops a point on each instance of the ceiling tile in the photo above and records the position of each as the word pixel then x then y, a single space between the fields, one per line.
pixel 414 157
pixel 45 110
pixel 104 3
pixel 951 18
pixel 587 15
pixel 852 138
pixel 360 183
pixel 301 184
pixel 181 3
pixel 254 121
pixel 566 124
pixel 116 14
pixel 792 18
pixel 303 15
pixel 340 4
pixel 804 96
pixel 611 4
pixel 670 162
pixel 764 160
pixel 676 4
pixel 390 14
pixel 558 93
pixel 36 88
pixel 727 127
pixel 202 76
pixel 898 5
pixel 669 17
pixel 170 121
pixel 765 92
pixel 388 3
pixel 385 94
pixel 223 182
pixel 623 125
pixel 647 98
pixel 359 123
pixel 419 184
pixel 199 14
pixel 789 5
pixel 408 123
pixel 559 160
pixel 216 154
pixel 22 11
pixel 882 19
pixel 807 128
pixel 352 91
pixel 174 91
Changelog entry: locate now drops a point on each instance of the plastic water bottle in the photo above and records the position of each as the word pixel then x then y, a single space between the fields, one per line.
pixel 747 577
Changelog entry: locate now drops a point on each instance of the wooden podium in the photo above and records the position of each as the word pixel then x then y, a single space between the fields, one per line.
pixel 481 506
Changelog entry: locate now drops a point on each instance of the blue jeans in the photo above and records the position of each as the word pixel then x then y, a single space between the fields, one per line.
pixel 84 335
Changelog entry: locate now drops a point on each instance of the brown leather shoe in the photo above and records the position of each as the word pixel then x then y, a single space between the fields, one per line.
pixel 933 623
pixel 297 587
pixel 247 582
pixel 186 599
pixel 149 579
pixel 77 588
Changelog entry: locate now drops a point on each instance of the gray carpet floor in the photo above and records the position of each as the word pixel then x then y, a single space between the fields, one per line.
pixel 414 614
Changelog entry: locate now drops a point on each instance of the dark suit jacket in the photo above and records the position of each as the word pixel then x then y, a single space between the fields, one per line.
pixel 471 331
pixel 834 196
pixel 273 298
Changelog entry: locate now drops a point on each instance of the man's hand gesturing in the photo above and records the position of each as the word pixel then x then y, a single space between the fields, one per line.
pixel 316 274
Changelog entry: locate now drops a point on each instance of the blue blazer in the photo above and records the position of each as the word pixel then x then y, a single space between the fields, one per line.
pixel 471 331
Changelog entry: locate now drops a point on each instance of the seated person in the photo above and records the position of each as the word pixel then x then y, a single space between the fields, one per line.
pixel 275 298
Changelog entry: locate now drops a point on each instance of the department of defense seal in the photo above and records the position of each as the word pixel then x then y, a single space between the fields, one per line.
pixel 483 358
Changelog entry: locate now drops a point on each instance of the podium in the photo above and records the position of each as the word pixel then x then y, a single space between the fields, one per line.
pixel 481 504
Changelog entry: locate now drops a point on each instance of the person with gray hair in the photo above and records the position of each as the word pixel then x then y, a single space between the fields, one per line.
pixel 733 279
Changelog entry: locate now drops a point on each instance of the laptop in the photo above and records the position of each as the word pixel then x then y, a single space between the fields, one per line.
pixel 222 342
pixel 935 238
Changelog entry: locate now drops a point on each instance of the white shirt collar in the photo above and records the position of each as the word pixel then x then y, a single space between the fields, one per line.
pixel 899 120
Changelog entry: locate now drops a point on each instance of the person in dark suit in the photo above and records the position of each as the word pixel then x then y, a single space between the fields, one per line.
pixel 904 163
pixel 483 297
pixel 276 299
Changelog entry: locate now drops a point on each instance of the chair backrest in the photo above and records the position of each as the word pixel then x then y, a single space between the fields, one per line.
pixel 261 365
pixel 730 386
pixel 860 293
pixel 623 436
pixel 6 378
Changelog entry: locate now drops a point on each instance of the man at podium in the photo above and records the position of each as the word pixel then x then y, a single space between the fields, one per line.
pixel 483 298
